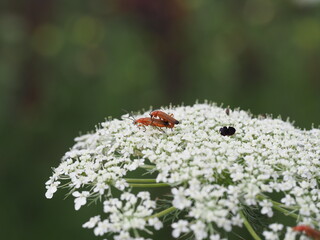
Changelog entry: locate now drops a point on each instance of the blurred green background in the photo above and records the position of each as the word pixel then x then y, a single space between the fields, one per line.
pixel 66 65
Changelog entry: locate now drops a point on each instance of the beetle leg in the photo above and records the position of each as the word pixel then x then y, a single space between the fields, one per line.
pixel 160 129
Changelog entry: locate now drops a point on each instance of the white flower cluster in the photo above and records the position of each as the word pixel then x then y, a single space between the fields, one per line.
pixel 213 177
pixel 128 212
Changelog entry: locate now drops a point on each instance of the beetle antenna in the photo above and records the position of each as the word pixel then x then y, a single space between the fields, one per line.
pixel 130 115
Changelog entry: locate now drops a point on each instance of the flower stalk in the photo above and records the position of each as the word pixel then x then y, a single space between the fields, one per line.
pixel 150 185
pixel 162 213
pixel 148 166
pixel 140 180
pixel 249 227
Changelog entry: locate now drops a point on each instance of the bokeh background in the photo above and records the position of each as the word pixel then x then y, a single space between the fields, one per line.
pixel 67 65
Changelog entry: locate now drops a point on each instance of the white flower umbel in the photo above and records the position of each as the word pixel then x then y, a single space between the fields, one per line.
pixel 218 182
pixel 127 213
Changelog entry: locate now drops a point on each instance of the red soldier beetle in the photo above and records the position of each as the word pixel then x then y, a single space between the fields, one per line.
pixel 310 232
pixel 164 117
pixel 152 122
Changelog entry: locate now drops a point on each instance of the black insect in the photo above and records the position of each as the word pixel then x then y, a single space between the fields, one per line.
pixel 227 131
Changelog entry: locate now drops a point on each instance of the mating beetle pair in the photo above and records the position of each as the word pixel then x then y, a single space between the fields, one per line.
pixel 157 119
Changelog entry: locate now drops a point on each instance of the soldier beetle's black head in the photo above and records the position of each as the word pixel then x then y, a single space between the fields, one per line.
pixel 166 123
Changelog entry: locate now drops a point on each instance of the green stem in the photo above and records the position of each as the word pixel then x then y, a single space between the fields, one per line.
pixel 140 180
pixel 135 232
pixel 280 207
pixel 162 213
pixel 149 185
pixel 249 227
pixel 148 166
